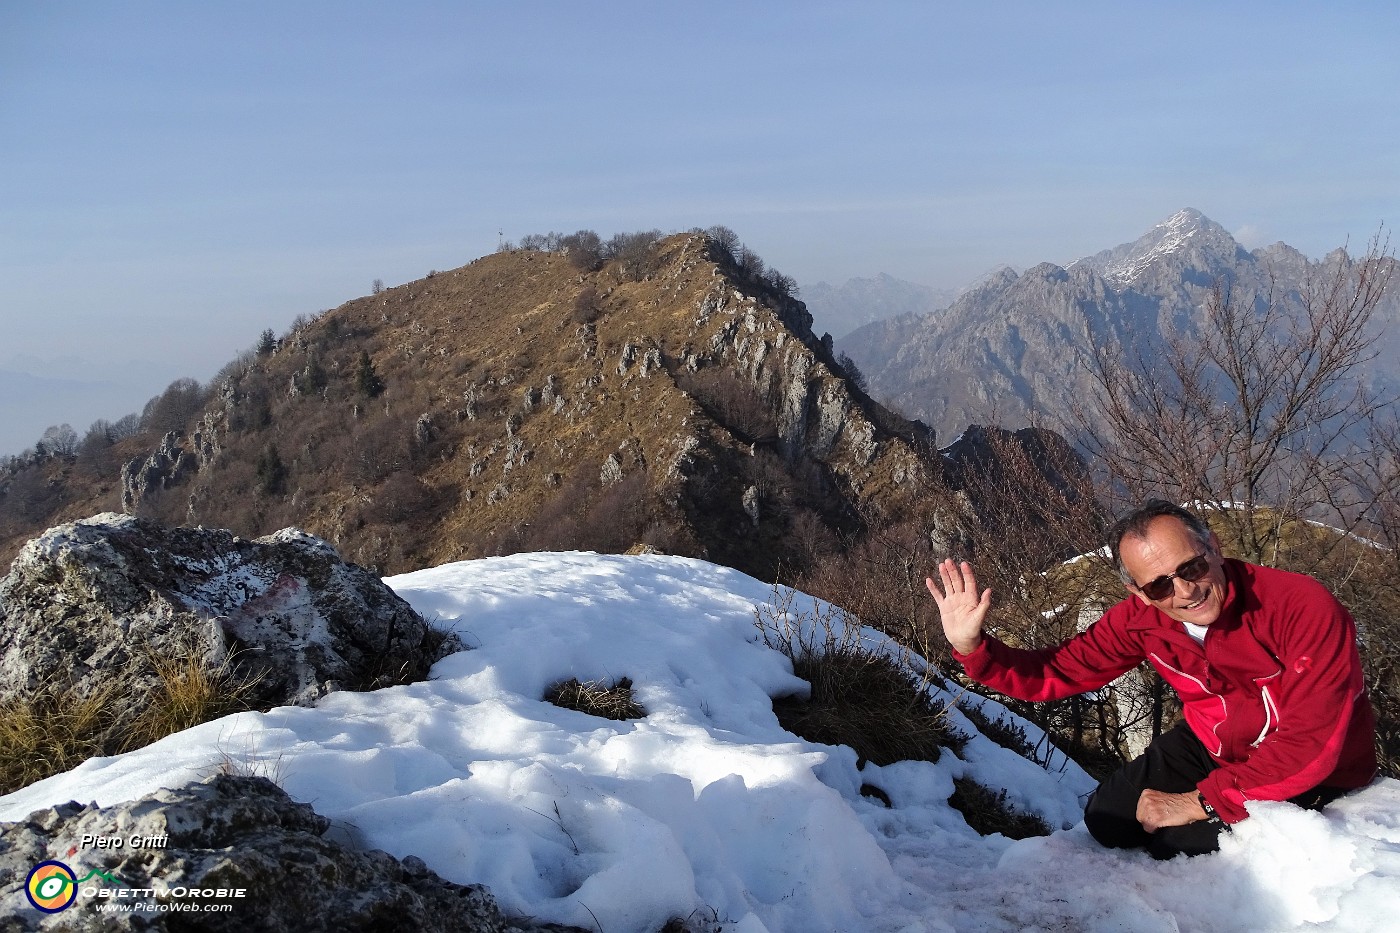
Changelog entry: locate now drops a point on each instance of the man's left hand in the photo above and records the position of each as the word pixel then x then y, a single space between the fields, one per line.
pixel 1157 809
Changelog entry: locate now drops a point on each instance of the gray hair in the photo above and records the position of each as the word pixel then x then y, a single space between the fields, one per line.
pixel 1135 523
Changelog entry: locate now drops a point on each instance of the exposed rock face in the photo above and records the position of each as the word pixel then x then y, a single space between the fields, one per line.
pixel 105 596
pixel 169 465
pixel 229 833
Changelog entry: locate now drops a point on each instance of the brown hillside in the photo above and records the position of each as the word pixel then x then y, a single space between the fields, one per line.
pixel 527 404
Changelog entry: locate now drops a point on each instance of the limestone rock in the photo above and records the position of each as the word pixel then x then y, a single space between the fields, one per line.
pixel 103 597
pixel 228 833
pixel 169 465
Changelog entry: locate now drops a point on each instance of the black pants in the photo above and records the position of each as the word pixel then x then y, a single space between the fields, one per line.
pixel 1174 763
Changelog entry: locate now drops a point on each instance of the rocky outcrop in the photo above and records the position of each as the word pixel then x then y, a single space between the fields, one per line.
pixel 169 465
pixel 112 595
pixel 232 840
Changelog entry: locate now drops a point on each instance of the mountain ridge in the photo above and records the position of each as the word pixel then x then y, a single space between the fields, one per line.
pixel 1017 349
pixel 668 399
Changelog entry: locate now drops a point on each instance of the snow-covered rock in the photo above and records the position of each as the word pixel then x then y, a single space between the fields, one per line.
pixel 706 811
pixel 105 598
pixel 233 842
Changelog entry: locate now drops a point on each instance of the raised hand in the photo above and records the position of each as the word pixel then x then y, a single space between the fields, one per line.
pixel 961 610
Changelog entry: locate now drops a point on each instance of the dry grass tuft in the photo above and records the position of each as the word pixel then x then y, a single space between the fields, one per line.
pixel 867 702
pixel 596 698
pixel 875 703
pixel 53 730
pixel 191 690
pixel 988 812
pixel 56 729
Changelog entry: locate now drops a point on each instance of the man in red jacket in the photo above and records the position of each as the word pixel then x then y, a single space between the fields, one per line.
pixel 1265 663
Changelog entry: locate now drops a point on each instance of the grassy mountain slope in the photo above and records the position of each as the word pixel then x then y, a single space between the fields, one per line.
pixel 524 403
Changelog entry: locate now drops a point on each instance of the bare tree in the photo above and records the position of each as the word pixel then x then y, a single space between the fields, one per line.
pixel 1265 421
pixel 1257 417
pixel 173 408
pixel 59 440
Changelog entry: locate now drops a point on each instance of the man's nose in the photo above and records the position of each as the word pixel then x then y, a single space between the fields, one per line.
pixel 1184 588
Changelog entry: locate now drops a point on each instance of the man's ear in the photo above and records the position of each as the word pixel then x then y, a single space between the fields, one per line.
pixel 1215 545
pixel 1139 594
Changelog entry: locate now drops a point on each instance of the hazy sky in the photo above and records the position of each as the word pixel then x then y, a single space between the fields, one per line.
pixel 175 177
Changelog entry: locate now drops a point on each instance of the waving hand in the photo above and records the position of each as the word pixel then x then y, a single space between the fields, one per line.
pixel 961 610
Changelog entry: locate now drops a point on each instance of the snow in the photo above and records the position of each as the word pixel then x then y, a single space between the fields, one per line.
pixel 706 808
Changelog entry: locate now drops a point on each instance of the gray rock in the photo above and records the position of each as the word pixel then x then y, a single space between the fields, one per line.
pixel 229 833
pixel 169 465
pixel 108 596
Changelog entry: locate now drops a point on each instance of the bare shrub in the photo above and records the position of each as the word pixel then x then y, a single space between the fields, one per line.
pixel 174 408
pixel 584 249
pixel 619 515
pixel 29 498
pixel 94 455
pixel 733 401
pixel 634 253
pixel 988 812
pixel 59 440
pixel 852 373
pixel 380 448
pixel 128 425
pixel 587 306
pixel 1263 408
pixel 725 241
pixel 750 263
pixel 401 498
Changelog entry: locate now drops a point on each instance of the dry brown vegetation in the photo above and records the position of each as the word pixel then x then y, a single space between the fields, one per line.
pixel 874 702
pixel 54 728
pixel 579 393
pixel 596 698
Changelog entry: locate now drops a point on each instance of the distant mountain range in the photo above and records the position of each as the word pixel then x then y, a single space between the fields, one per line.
pixel 840 309
pixel 1014 349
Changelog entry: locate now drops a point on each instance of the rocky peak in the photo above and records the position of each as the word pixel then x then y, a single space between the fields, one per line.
pixel 1187 238
pixel 527 401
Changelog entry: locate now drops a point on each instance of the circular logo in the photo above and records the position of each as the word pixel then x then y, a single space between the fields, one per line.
pixel 51 887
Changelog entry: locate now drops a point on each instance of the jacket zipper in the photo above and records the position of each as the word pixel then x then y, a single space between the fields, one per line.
pixel 1220 746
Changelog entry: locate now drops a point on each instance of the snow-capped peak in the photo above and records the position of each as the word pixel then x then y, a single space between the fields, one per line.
pixel 1187 229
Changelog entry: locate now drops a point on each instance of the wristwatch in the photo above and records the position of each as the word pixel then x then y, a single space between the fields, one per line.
pixel 1205 805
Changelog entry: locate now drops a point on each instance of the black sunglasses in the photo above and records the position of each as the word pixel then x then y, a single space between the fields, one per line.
pixel 1191 571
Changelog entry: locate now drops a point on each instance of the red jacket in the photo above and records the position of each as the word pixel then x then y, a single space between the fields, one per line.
pixel 1275 694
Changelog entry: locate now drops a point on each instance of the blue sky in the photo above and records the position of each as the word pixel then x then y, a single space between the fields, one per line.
pixel 174 177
